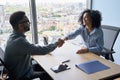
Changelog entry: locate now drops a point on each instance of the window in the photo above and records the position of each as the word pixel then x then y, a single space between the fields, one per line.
pixel 7 7
pixel 56 18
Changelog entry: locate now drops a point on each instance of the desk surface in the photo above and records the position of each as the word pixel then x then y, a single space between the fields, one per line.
pixel 68 51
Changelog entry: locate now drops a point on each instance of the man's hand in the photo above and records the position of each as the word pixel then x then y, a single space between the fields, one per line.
pixel 60 42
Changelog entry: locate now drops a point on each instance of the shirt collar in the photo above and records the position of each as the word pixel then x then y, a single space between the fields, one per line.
pixel 92 32
pixel 19 34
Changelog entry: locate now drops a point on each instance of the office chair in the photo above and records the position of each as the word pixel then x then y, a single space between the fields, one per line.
pixel 6 71
pixel 110 35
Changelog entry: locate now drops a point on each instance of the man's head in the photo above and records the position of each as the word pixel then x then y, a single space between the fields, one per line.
pixel 19 21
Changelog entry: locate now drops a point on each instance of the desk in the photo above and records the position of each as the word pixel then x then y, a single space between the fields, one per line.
pixel 68 51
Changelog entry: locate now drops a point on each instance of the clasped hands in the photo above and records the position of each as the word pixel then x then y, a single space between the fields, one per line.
pixel 62 41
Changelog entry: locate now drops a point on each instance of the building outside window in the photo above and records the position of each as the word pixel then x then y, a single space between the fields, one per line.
pixel 55 18
pixel 7 7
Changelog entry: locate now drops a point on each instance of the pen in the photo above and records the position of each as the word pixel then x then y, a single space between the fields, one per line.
pixel 66 61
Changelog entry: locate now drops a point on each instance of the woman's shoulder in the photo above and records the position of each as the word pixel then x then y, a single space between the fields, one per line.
pixel 99 30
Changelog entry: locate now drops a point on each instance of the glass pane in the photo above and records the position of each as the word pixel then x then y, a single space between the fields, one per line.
pixel 7 7
pixel 56 18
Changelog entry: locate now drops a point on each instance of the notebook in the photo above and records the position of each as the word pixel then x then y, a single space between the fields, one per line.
pixel 92 66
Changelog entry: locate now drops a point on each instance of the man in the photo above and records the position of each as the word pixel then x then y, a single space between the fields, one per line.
pixel 18 50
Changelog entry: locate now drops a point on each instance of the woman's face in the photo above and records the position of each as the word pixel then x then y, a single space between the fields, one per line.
pixel 87 19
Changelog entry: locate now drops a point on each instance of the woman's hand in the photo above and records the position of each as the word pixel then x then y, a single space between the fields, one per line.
pixel 84 50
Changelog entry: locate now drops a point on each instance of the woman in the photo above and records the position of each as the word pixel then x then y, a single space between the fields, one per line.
pixel 90 30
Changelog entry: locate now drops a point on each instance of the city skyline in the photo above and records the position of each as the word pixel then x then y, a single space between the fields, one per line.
pixel 3 2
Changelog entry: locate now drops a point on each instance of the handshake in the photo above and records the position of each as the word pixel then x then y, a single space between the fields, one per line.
pixel 60 42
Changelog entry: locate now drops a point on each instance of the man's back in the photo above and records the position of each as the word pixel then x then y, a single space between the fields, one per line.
pixel 15 58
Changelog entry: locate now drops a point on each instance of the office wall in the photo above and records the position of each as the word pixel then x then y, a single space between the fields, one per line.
pixel 111 16
pixel 109 9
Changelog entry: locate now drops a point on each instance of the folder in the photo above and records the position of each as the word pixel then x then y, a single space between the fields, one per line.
pixel 92 66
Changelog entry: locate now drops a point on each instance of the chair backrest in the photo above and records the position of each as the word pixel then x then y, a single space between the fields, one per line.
pixel 3 75
pixel 2 58
pixel 110 35
pixel 1 54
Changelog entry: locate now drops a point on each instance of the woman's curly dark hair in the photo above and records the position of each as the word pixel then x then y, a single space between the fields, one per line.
pixel 95 17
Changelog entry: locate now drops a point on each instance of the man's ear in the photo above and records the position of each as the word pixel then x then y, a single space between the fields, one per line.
pixel 20 26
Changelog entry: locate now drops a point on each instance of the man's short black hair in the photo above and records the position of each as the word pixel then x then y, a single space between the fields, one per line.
pixel 15 18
